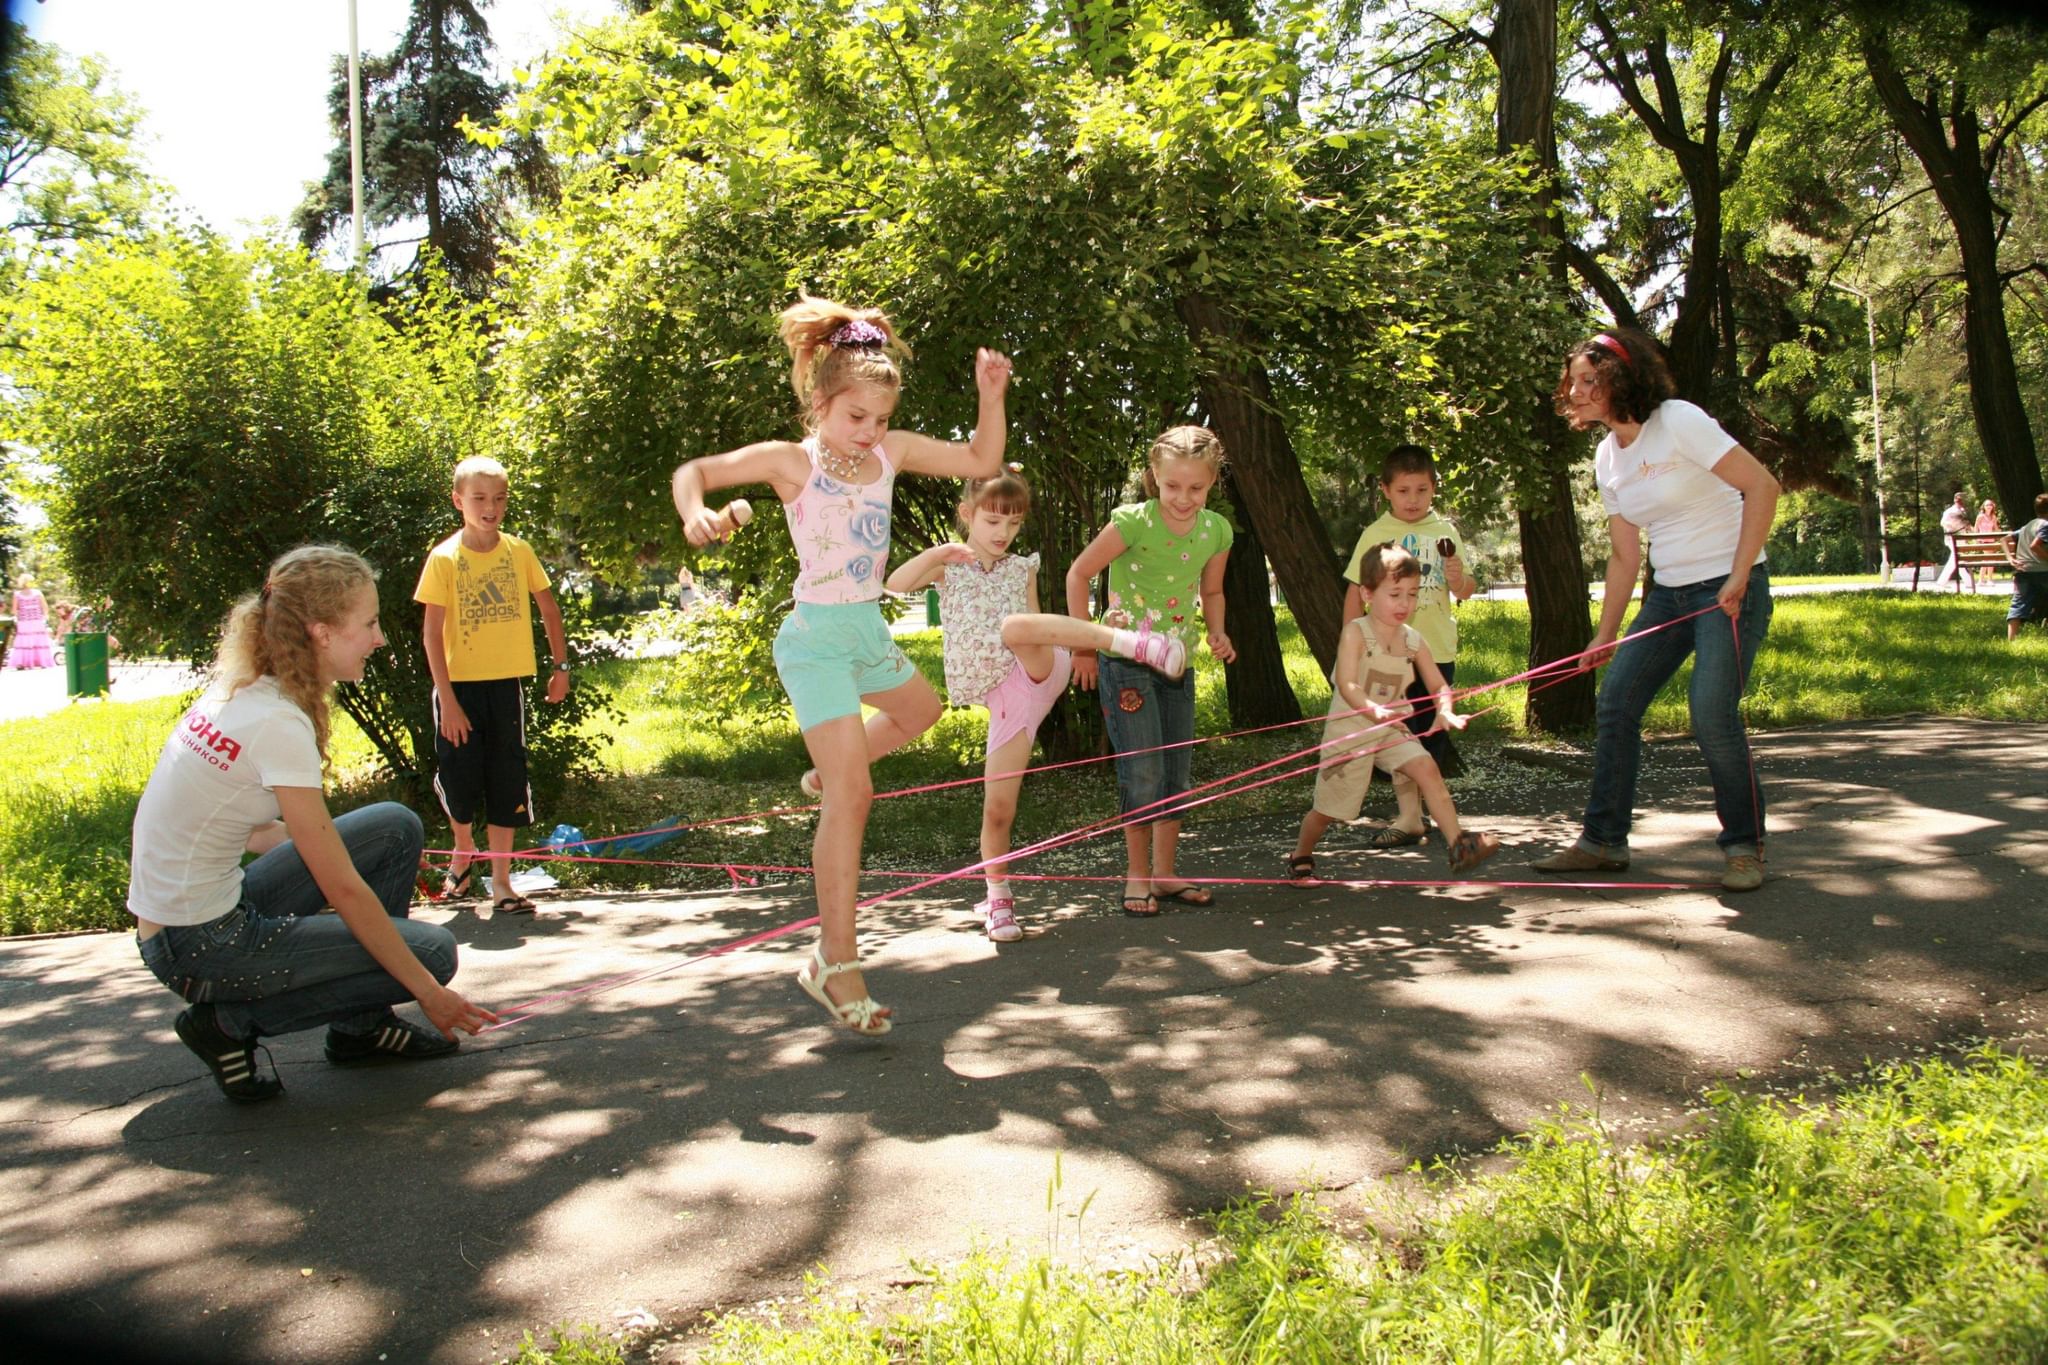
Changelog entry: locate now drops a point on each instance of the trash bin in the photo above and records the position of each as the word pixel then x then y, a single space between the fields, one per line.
pixel 931 608
pixel 85 663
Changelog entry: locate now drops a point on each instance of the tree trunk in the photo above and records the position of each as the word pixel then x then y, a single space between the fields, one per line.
pixel 1266 477
pixel 1260 693
pixel 1525 50
pixel 1962 181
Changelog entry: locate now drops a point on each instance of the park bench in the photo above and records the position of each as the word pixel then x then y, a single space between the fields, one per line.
pixel 1979 551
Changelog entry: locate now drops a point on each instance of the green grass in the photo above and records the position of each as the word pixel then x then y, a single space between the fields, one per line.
pixel 689 746
pixel 1905 1220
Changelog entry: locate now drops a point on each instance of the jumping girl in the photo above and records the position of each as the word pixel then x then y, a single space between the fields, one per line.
pixel 1165 559
pixel 1001 653
pixel 834 651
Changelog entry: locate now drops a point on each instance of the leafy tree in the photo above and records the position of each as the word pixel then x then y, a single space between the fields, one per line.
pixel 1964 89
pixel 423 162
pixel 207 407
pixel 1129 201
pixel 68 169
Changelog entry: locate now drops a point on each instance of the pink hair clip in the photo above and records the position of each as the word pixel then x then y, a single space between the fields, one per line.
pixel 858 332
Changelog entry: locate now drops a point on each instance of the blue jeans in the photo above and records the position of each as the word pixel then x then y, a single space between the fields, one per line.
pixel 274 964
pixel 1719 677
pixel 1142 710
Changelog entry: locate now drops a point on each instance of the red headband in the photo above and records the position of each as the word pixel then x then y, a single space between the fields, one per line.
pixel 1608 343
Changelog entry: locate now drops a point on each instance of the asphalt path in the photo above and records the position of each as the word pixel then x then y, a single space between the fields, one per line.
pixel 701 1138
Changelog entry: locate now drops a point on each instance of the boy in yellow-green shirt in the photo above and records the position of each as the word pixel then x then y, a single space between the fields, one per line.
pixel 1411 522
pixel 479 641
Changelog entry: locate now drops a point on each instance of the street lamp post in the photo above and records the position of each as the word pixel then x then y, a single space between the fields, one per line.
pixel 355 138
pixel 1884 554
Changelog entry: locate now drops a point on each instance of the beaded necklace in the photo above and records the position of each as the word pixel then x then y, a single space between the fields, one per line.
pixel 845 468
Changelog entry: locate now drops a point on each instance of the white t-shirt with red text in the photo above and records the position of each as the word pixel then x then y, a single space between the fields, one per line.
pixel 213 786
pixel 1663 481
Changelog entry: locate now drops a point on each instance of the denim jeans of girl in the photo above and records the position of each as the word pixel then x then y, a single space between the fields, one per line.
pixel 1143 711
pixel 274 964
pixel 1720 676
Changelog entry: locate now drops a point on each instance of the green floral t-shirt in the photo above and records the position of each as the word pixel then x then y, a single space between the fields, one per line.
pixel 1158 577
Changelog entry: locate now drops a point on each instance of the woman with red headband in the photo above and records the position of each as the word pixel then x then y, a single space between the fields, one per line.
pixel 1665 467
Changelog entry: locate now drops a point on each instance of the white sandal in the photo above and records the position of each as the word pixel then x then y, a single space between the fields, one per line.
pixel 862 1016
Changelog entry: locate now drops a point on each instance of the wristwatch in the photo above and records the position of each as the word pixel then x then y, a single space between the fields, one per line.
pixel 562 668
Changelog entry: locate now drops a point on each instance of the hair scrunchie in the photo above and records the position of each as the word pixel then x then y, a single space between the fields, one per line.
pixel 858 332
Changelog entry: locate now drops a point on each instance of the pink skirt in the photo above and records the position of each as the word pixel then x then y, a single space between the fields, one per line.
pixel 31 647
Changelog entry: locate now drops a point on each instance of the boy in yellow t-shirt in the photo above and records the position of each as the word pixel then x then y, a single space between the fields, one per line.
pixel 479 642
pixel 1408 482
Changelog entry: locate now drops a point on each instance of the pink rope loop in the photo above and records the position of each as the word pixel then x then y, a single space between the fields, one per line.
pixel 1215 790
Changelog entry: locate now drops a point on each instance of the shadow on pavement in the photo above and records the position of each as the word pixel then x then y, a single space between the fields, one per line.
pixel 703 1138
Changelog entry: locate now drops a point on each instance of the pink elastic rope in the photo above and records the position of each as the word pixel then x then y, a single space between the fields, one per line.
pixel 1197 796
pixel 1561 668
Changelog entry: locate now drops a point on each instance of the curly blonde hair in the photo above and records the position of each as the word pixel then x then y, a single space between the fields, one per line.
pixel 266 632
pixel 820 369
pixel 1183 443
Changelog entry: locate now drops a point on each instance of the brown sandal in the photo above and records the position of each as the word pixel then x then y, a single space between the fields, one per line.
pixel 1472 848
pixel 1301 869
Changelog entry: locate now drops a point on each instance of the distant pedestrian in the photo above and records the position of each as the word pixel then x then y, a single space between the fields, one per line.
pixel 1987 523
pixel 1955 519
pixel 31 644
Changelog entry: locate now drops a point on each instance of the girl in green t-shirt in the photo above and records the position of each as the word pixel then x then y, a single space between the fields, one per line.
pixel 1165 559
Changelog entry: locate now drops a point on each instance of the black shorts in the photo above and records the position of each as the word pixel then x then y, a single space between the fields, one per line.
pixel 491 766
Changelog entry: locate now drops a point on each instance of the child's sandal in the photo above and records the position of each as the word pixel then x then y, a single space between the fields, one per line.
pixel 1162 652
pixel 1472 848
pixel 1301 869
pixel 864 1015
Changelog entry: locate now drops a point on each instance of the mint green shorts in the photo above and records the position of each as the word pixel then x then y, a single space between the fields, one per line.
pixel 831 654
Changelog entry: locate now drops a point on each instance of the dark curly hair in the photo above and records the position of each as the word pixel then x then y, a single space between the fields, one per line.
pixel 1632 371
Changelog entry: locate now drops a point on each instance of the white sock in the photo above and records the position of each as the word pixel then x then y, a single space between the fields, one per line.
pixel 996 890
pixel 1124 642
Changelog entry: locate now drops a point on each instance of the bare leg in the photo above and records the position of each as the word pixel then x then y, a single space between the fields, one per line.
pixel 465 849
pixel 1027 629
pixel 1430 782
pixel 500 837
pixel 999 800
pixel 903 714
pixel 1165 847
pixel 1407 804
pixel 839 748
pixel 1137 862
pixel 1314 826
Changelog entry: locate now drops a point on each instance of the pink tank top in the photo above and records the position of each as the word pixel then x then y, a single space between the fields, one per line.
pixel 841 533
